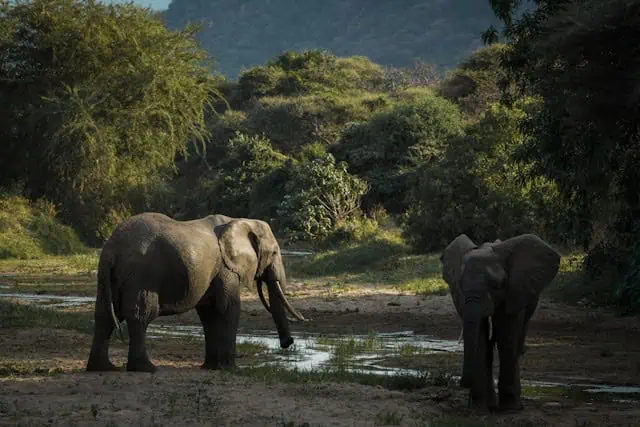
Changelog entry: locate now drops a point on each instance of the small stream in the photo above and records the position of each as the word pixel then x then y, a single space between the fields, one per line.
pixel 356 353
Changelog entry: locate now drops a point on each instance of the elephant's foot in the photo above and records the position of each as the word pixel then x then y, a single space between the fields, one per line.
pixel 465 382
pixel 484 404
pixel 141 366
pixel 100 366
pixel 510 404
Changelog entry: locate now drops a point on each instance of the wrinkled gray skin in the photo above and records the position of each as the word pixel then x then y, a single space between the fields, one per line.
pixel 497 283
pixel 155 266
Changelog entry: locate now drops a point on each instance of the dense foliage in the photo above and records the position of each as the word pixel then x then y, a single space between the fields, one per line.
pixel 95 101
pixel 387 149
pixel 582 58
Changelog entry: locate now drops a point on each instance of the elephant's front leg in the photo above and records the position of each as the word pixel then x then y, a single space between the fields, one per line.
pixel 482 394
pixel 220 322
pixel 510 340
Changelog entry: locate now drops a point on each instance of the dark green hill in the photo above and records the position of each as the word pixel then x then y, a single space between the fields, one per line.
pixel 244 33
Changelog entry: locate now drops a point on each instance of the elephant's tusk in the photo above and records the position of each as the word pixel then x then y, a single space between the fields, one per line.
pixel 461 335
pixel 261 294
pixel 289 307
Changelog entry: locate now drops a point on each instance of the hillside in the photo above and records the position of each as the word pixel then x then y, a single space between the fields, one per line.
pixel 242 34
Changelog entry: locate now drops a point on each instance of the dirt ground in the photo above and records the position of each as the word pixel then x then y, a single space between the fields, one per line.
pixel 42 380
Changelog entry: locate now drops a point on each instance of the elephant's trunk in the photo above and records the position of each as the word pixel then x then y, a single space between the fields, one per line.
pixel 478 306
pixel 474 362
pixel 277 309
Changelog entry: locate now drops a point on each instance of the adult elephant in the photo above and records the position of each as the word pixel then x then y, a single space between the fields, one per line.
pixel 153 265
pixel 496 286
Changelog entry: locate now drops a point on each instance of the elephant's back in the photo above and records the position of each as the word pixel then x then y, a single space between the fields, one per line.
pixel 159 245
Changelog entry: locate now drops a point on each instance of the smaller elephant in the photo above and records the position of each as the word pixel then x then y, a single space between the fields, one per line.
pixel 153 265
pixel 496 287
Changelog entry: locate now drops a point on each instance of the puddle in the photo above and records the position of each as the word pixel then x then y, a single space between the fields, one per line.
pixel 314 352
pixel 286 252
pixel 53 301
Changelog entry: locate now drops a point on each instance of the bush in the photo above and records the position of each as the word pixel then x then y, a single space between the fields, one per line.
pixel 238 187
pixel 477 81
pixel 292 122
pixel 319 196
pixel 387 150
pixel 30 230
pixel 305 73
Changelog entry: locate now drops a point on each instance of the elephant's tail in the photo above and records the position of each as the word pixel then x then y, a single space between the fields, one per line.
pixel 104 280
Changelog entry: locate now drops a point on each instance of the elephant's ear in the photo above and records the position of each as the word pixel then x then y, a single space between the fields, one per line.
pixel 451 260
pixel 248 247
pixel 531 265
pixel 239 249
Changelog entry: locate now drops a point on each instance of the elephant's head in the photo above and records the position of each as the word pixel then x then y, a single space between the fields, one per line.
pixel 250 249
pixel 504 275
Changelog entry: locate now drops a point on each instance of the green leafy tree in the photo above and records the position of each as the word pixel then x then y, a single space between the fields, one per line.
pixel 477 81
pixel 581 58
pixel 477 188
pixel 387 150
pixel 320 195
pixel 240 190
pixel 97 100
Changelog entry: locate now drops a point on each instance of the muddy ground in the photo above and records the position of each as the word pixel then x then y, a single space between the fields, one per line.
pixel 42 380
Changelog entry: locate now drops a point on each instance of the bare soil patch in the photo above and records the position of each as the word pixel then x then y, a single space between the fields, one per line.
pixel 42 379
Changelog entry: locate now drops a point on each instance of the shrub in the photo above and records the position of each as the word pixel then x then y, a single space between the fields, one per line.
pixel 292 122
pixel 319 195
pixel 30 230
pixel 477 81
pixel 238 190
pixel 387 150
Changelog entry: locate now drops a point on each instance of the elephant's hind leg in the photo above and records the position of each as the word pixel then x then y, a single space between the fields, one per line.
pixel 146 310
pixel 99 355
pixel 138 359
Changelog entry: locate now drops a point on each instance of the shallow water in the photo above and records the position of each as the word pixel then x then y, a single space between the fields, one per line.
pixel 314 352
pixel 356 353
pixel 54 301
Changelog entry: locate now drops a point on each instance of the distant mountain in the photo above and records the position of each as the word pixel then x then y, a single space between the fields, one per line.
pixel 244 33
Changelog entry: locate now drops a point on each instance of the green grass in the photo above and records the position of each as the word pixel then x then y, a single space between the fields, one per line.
pixel 52 265
pixel 30 230
pixel 16 315
pixel 275 374
pixel 385 259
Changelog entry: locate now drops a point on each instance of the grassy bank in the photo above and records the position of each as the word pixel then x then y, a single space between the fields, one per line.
pixel 382 260
pixel 388 261
pixel 16 315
